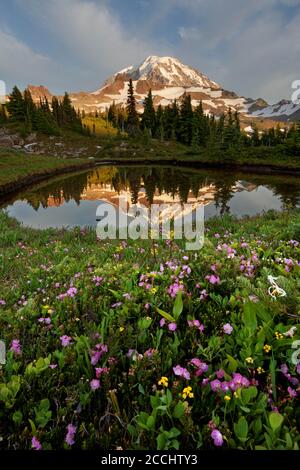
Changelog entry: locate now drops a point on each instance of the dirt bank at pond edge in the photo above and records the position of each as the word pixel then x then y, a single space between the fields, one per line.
pixel 37 177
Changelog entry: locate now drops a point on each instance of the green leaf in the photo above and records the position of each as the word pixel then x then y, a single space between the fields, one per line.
pixel 166 315
pixel 161 441
pixel 249 317
pixel 232 364
pixel 276 420
pixel 241 429
pixel 141 389
pixel 178 410
pixel 17 417
pixel 150 422
pixel 178 306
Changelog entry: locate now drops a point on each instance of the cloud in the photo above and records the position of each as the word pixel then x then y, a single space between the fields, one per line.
pixel 19 63
pixel 90 36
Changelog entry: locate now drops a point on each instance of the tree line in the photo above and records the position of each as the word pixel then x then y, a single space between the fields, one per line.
pixel 41 117
pixel 192 126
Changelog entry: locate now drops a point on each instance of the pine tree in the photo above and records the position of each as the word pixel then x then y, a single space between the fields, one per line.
pixel 186 120
pixel 3 115
pixel 29 109
pixel 132 115
pixel 149 118
pixel 112 115
pixel 16 105
pixel 255 137
pixel 159 119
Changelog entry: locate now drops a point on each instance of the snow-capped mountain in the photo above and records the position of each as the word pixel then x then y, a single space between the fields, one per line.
pixel 169 79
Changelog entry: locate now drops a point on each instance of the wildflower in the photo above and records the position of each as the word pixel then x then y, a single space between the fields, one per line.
pixel 220 373
pixel 249 360
pixel 70 434
pixel 116 305
pixel 227 398
pixel 267 348
pixel 100 371
pixel 260 370
pixel 2 302
pixel 228 329
pixel 292 392
pixel 149 353
pixel 290 333
pixel 72 292
pixel 95 384
pixel 217 438
pixel 172 326
pixel 213 279
pixel 278 335
pixel 187 393
pixel 164 382
pixel 121 329
pixel 174 289
pixel 16 347
pixel 35 443
pixel 162 322
pixel 203 294
pixel 181 372
pixel 46 321
pixel 215 385
pixel 65 340
pixel 153 290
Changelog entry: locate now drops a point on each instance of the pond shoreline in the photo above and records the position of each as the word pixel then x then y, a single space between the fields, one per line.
pixel 263 169
pixel 15 186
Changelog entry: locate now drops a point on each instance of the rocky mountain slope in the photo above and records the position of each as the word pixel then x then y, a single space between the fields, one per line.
pixel 169 79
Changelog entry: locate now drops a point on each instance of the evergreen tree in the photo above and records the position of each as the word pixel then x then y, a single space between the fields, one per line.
pixel 3 115
pixel 112 115
pixel 186 121
pixel 16 105
pixel 29 109
pixel 160 129
pixel 132 115
pixel 148 118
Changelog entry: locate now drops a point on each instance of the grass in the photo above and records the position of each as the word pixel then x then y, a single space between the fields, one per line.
pixel 92 327
pixel 16 165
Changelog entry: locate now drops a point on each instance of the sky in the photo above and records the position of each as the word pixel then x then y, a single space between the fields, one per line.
pixel 251 47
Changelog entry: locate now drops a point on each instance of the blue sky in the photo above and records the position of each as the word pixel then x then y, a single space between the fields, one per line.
pixel 249 46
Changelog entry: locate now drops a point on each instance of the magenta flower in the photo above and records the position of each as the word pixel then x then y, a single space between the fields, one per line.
pixel 213 279
pixel 16 347
pixel 2 302
pixel 162 322
pixel 292 392
pixel 181 372
pixel 35 443
pixel 65 340
pixel 95 384
pixel 71 431
pixel 174 289
pixel 101 370
pixel 215 385
pixel 217 438
pixel 220 373
pixel 72 292
pixel 227 328
pixel 172 326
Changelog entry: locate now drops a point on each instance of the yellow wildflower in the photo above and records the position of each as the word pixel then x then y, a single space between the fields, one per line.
pixel 249 360
pixel 278 335
pixel 154 290
pixel 227 398
pixel 164 381
pixel 260 370
pixel 121 329
pixel 267 348
pixel 187 393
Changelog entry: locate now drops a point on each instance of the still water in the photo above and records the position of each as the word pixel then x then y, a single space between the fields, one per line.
pixel 73 200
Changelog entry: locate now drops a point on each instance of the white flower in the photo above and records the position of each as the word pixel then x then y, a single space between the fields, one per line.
pixel 291 332
pixel 274 290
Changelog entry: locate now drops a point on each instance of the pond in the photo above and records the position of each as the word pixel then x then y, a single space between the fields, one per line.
pixel 72 200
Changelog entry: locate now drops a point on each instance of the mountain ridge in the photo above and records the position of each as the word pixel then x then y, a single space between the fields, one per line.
pixel 169 79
